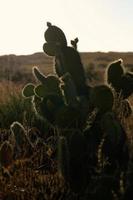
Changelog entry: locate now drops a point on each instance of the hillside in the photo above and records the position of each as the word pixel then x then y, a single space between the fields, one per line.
pixel 15 67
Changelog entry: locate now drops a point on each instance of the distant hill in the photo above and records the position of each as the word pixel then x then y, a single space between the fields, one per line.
pixel 11 64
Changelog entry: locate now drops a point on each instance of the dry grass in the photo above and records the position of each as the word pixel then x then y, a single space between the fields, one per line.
pixel 8 88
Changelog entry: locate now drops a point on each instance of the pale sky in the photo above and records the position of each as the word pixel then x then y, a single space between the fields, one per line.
pixel 100 25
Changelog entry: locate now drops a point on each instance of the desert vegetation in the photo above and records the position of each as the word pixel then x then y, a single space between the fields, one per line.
pixel 66 125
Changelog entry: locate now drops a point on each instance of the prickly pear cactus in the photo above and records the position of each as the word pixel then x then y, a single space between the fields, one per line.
pixel 64 91
pixel 71 159
pixel 115 71
pixel 102 97
pixel 55 40
pixel 67 103
pixel 122 83
pixel 115 147
pixel 28 90
pixel 126 110
pixel 66 58
pixel 55 34
pixel 74 43
pixel 69 90
pixel 122 108
pixel 63 158
pixel 119 79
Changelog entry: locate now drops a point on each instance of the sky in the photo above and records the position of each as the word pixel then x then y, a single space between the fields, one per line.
pixel 100 25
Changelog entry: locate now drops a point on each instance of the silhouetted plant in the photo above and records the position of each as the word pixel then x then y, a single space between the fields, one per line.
pixel 119 79
pixel 67 102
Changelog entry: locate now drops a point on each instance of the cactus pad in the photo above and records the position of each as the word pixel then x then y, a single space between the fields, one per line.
pixel 102 97
pixel 55 34
pixel 28 90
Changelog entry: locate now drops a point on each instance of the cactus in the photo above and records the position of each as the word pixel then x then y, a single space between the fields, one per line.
pixel 66 58
pixel 39 75
pixel 28 90
pixel 47 96
pixel 36 105
pixel 55 34
pixel 111 128
pixel 6 154
pixel 67 103
pixel 122 83
pixel 47 107
pixel 126 85
pixel 114 72
pixel 50 84
pixel 51 48
pixel 71 63
pixel 102 98
pixel 74 43
pixel 115 146
pixel 78 167
pixel 126 108
pixel 55 40
pixel 71 159
pixel 122 108
pixel 63 158
pixel 119 79
pixel 69 89
pixel 68 117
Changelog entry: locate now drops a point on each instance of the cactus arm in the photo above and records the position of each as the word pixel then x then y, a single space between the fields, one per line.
pixel 127 84
pixel 50 48
pixel 101 97
pixel 55 34
pixel 28 90
pixel 41 91
pixel 39 75
pixel 63 157
pixel 69 89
